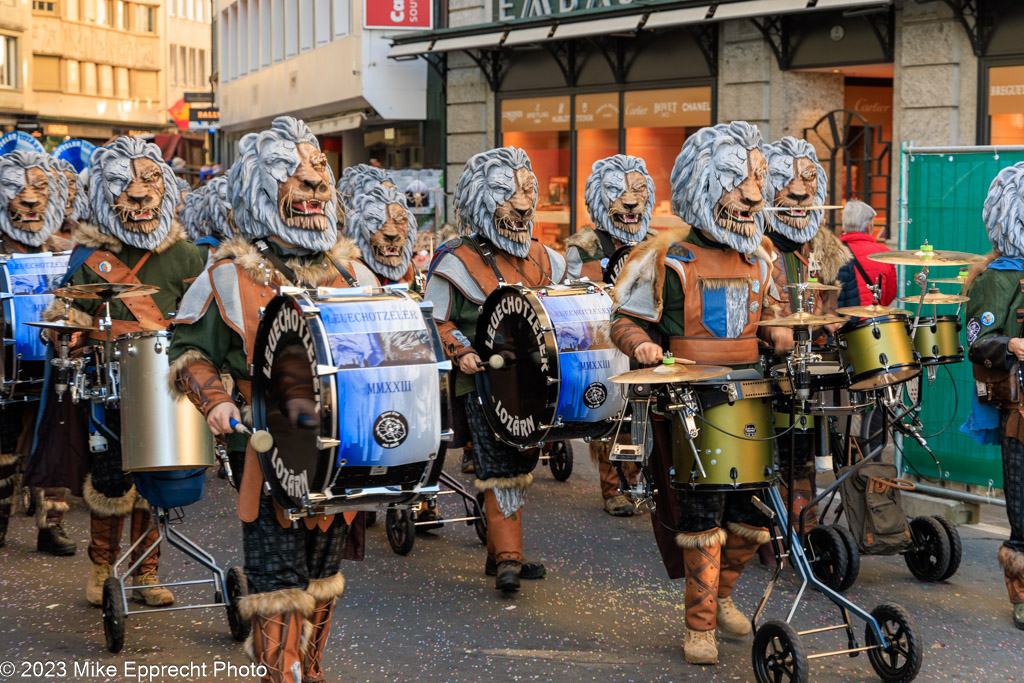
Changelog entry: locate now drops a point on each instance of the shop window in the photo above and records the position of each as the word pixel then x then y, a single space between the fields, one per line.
pixel 45 7
pixel 74 83
pixel 597 137
pixel 8 62
pixel 341 18
pixel 46 73
pixel 1006 105
pixel 144 85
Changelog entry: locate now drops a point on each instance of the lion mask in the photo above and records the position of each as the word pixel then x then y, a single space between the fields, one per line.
pixel 191 213
pixel 1004 212
pixel 496 196
pixel 132 192
pixel 32 197
pixel 620 197
pixel 282 186
pixel 717 183
pixel 216 214
pixel 795 181
pixel 77 207
pixel 385 230
pixel 359 179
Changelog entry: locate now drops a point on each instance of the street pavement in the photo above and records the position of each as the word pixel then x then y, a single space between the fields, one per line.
pixel 606 611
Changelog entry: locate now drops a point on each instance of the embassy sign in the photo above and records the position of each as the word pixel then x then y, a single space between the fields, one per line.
pixel 515 10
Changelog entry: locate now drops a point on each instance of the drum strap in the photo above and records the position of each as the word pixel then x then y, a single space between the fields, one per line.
pixel 607 243
pixel 484 249
pixel 344 273
pixel 269 254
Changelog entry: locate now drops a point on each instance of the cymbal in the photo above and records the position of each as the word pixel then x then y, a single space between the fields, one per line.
pixel 926 258
pixel 105 290
pixel 936 298
pixel 801 319
pixel 814 285
pixel 670 374
pixel 60 325
pixel 871 311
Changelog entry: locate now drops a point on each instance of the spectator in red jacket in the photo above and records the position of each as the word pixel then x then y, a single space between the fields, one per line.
pixel 855 276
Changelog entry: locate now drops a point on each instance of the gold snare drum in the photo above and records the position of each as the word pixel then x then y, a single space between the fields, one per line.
pixel 877 352
pixel 938 340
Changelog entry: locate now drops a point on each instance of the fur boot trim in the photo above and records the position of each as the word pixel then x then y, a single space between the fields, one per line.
pixel 91 235
pixel 102 506
pixel 248 258
pixel 249 649
pixel 140 502
pixel 978 268
pixel 758 535
pixel 585 239
pixel 522 481
pixel 276 602
pixel 45 507
pixel 306 639
pixel 1012 562
pixel 328 588
pixel 702 539
pixel 830 253
pixel 9 459
pixel 180 363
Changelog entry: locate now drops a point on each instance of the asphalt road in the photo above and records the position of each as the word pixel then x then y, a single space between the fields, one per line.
pixel 606 612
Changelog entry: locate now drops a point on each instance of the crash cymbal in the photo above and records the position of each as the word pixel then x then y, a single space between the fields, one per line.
pixel 105 290
pixel 814 285
pixel 936 298
pixel 670 374
pixel 63 325
pixel 801 319
pixel 926 256
pixel 871 311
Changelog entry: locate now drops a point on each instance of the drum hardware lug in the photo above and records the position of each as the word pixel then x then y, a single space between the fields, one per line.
pixel 552 380
pixel 323 444
pixel 262 310
pixel 734 475
pixel 447 435
pixel 765 510
pixel 131 350
pixel 444 366
pixel 326 370
pixel 309 311
pixel 158 348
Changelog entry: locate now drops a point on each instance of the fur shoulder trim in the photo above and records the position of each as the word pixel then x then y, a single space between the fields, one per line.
pixel 765 251
pixel 174 235
pixel 90 235
pixel 585 239
pixel 830 253
pixel 345 249
pixel 57 243
pixel 638 288
pixel 249 259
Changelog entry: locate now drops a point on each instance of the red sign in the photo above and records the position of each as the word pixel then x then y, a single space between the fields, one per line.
pixel 391 14
pixel 179 113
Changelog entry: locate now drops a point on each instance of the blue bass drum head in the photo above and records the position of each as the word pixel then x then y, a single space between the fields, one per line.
pixel 75 152
pixel 17 140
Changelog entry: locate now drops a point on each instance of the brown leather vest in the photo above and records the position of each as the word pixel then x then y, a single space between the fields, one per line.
pixel 148 315
pixel 531 272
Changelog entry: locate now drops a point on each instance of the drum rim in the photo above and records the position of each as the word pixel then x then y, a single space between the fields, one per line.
pixel 853 325
pixel 143 334
pixel 854 380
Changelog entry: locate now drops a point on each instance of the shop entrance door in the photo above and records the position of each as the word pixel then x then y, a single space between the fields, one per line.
pixel 856 157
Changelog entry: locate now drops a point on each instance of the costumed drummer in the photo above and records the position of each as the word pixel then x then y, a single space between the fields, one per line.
pixel 620 199
pixel 699 292
pixel 380 223
pixel 133 238
pixel 77 207
pixel 495 198
pixel 994 334
pixel 281 189
pixel 33 196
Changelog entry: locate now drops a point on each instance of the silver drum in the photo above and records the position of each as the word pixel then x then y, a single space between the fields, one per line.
pixel 158 432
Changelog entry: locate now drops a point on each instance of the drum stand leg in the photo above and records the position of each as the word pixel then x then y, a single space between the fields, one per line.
pixel 473 509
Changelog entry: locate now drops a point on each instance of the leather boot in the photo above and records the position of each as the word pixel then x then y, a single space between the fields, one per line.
pixel 145 575
pixel 104 544
pixel 740 545
pixel 8 486
pixel 51 505
pixel 702 555
pixel 505 538
pixel 1012 563
pixel 326 593
pixel 278 626
pixel 803 492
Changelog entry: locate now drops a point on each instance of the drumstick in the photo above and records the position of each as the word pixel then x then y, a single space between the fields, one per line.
pixel 261 440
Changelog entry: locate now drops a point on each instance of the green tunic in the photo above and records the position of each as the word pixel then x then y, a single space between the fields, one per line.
pixel 995 295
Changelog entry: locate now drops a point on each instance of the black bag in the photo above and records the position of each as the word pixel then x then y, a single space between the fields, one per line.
pixel 874 510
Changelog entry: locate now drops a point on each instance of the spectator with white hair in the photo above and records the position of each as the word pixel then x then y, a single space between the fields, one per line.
pixel 861 271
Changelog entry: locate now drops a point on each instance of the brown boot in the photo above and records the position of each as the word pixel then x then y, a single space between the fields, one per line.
pixel 326 593
pixel 278 621
pixel 740 545
pixel 9 485
pixel 51 504
pixel 803 492
pixel 702 554
pixel 505 540
pixel 145 575
pixel 1012 563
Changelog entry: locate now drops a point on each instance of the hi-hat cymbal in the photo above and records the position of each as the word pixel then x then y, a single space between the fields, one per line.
pixel 105 290
pixel 871 311
pixel 936 298
pixel 926 257
pixel 814 285
pixel 670 374
pixel 801 319
pixel 63 325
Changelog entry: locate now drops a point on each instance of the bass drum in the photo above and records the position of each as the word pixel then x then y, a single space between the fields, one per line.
pixel 612 266
pixel 557 356
pixel 352 387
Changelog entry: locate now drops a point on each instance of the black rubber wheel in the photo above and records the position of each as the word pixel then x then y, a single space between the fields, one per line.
pixel 560 461
pixel 900 658
pixel 956 547
pixel 852 559
pixel 480 524
pixel 371 518
pixel 237 587
pixel 777 654
pixel 28 501
pixel 830 559
pixel 113 615
pixel 931 554
pixel 401 530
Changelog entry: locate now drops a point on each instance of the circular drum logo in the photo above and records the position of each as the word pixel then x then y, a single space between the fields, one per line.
pixel 750 430
pixel 595 395
pixel 390 429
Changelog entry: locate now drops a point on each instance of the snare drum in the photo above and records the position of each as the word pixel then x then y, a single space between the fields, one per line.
pixel 370 364
pixel 877 352
pixel 938 340
pixel 158 432
pixel 734 440
pixel 829 392
pixel 557 357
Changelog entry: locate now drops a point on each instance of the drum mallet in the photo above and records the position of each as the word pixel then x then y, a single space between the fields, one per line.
pixel 261 440
pixel 495 362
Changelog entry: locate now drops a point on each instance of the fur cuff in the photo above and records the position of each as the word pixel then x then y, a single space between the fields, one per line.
pixel 326 589
pixel 521 482
pixel 179 364
pixel 9 459
pixel 249 649
pixel 277 602
pixel 140 502
pixel 1012 562
pixel 306 639
pixel 758 535
pixel 45 507
pixel 585 239
pixel 702 539
pixel 102 506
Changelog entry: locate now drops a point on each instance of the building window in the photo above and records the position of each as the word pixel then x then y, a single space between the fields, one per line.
pixel 45 7
pixel 121 87
pixel 232 44
pixel 8 62
pixel 291 28
pixel 74 83
pixel 106 76
pixel 172 66
pixel 120 16
pixel 146 19
pixel 243 37
pixel 254 34
pixel 277 30
pixel 171 9
pixel 89 11
pixel 266 32
pixel 341 18
pixel 305 25
pixel 192 66
pixel 183 65
pixel 322 22
pixel 203 76
pixel 181 7
pixel 89 78
pixel 72 6
pixel 190 9
pixel 144 85
pixel 46 73
pixel 199 9
pixel 1006 105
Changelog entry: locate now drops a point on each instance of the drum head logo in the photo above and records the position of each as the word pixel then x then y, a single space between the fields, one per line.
pixel 750 430
pixel 595 395
pixel 390 429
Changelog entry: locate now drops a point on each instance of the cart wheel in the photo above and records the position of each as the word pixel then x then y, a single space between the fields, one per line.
pixel 931 555
pixel 113 615
pixel 237 588
pixel 831 561
pixel 852 558
pixel 778 654
pixel 28 501
pixel 401 530
pixel 899 659
pixel 561 460
pixel 371 518
pixel 480 524
pixel 956 548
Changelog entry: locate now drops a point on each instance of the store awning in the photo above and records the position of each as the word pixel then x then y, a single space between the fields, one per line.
pixel 525 36
pixel 847 4
pixel 410 49
pixel 757 8
pixel 677 17
pixel 598 27
pixel 473 42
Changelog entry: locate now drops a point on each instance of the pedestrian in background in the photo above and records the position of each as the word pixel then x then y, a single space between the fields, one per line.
pixel 857 274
